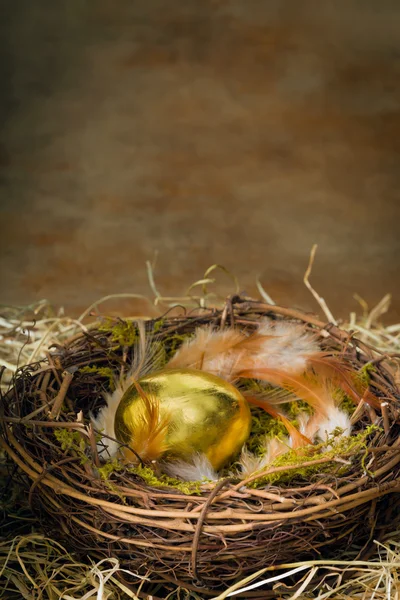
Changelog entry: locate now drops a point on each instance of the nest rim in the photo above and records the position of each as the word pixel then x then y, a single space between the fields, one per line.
pixel 173 524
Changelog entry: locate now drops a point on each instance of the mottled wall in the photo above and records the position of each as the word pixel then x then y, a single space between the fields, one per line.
pixel 238 132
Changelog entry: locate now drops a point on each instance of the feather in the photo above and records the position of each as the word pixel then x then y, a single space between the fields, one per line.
pixel 104 422
pixel 336 420
pixel 198 469
pixel 298 439
pixel 250 463
pixel 147 356
pixel 322 428
pixel 344 376
pixel 276 345
pixel 216 352
pixel 149 428
pixel 282 346
pixel 295 350
pixel 316 394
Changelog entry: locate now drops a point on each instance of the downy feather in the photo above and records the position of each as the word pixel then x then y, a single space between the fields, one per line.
pixel 147 357
pixel 103 422
pixel 276 345
pixel 284 346
pixel 147 353
pixel 322 428
pixel 344 376
pixel 250 463
pixel 198 469
pixel 318 394
pixel 315 393
pixel 216 352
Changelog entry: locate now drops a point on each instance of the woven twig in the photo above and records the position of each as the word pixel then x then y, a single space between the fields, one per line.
pixel 217 537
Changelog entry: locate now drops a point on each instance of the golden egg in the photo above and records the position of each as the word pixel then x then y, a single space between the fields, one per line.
pixel 199 413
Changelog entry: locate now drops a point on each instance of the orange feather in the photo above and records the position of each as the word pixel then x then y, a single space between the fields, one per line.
pixel 318 394
pixel 149 429
pixel 343 376
pixel 216 352
pixel 314 394
pixel 298 439
pixel 278 346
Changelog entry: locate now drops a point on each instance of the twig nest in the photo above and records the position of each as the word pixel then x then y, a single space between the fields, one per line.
pixel 204 535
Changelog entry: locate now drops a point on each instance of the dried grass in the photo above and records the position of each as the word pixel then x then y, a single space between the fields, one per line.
pixel 34 566
pixel 334 579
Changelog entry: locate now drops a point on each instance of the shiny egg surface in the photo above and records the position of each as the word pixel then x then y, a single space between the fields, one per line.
pixel 204 414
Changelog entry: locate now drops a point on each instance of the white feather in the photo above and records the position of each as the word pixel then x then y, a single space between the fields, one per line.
pixel 147 357
pixel 104 423
pixel 225 365
pixel 287 347
pixel 104 420
pixel 198 469
pixel 320 428
pixel 336 419
pixel 272 448
pixel 250 463
pixel 147 353
pixel 282 346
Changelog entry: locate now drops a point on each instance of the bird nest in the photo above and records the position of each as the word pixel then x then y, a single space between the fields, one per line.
pixel 207 535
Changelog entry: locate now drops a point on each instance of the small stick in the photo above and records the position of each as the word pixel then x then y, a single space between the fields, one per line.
pixel 53 367
pixel 372 414
pixel 124 359
pixel 358 412
pixel 342 460
pixel 93 445
pixel 56 408
pixel 385 415
pixel 228 308
pixel 45 378
pixel 199 525
pixel 58 424
pixel 38 410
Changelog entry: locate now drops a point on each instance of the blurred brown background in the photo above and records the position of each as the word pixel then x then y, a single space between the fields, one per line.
pixel 231 131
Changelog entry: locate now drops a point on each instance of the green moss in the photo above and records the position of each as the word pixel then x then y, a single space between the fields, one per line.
pixel 152 480
pixel 105 372
pixel 262 425
pixel 265 425
pixel 109 468
pixel 346 403
pixel 173 343
pixel 149 477
pixel 363 376
pixel 106 470
pixel 124 333
pixel 296 408
pixel 336 448
pixel 72 442
pixel 158 325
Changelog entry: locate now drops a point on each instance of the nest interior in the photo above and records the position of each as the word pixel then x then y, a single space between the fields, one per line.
pixel 200 536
